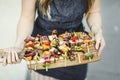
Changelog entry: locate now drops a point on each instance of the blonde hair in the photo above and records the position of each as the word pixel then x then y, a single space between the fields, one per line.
pixel 90 4
pixel 45 7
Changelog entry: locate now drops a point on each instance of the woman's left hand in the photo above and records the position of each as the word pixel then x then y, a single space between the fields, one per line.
pixel 100 43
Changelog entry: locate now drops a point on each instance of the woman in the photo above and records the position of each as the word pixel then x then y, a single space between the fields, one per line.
pixel 62 15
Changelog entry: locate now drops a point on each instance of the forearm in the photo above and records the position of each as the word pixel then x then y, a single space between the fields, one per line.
pixel 95 22
pixel 24 29
pixel 93 16
pixel 26 21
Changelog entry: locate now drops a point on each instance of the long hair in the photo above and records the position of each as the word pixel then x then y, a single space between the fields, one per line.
pixel 90 4
pixel 45 7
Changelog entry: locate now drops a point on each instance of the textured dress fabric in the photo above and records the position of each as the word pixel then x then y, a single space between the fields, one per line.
pixel 66 15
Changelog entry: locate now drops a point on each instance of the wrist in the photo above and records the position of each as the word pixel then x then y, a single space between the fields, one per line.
pixel 96 29
pixel 19 45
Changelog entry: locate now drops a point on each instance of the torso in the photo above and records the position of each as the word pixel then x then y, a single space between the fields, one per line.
pixel 66 15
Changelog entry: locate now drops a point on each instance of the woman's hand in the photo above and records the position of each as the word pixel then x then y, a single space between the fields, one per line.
pixel 12 56
pixel 100 43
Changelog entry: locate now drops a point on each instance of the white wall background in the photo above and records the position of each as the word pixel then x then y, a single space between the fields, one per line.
pixel 9 16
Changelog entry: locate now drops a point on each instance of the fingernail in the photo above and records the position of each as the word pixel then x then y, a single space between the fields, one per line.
pixel 96 46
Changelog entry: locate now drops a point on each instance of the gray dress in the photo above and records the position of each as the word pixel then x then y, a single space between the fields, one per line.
pixel 66 15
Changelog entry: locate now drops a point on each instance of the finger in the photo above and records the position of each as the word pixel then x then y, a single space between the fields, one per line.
pixel 97 44
pixel 102 44
pixel 16 57
pixel 13 56
pixel 5 61
pixel 100 50
pixel 9 59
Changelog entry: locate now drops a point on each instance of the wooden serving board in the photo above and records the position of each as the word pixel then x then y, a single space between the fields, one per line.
pixel 33 65
pixel 61 63
pixel 68 54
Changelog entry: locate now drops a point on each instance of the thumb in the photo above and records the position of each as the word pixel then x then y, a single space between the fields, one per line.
pixel 97 44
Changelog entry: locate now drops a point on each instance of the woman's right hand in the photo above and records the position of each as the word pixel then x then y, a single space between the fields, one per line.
pixel 11 56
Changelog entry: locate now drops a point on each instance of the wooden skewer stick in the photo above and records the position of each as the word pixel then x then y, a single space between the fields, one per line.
pixel 46 67
pixel 36 64
pixel 89 58
pixel 65 60
pixel 79 59
pixel 30 65
pixel 88 50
